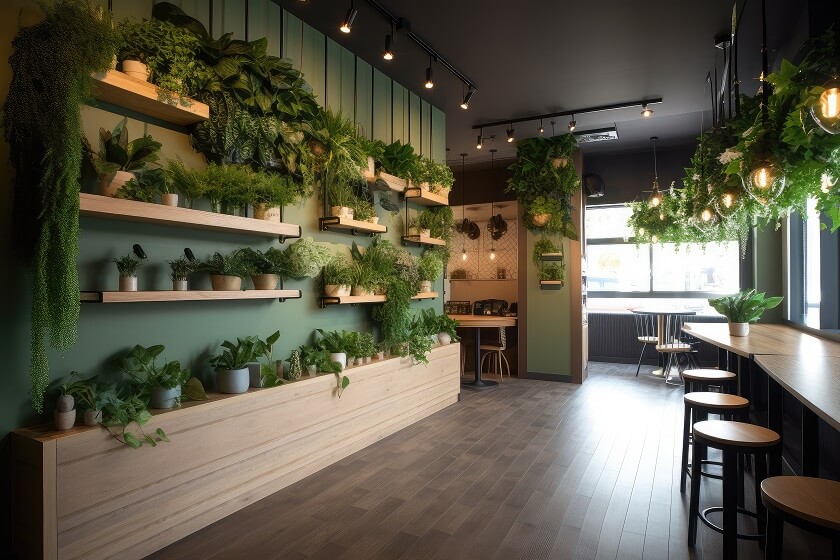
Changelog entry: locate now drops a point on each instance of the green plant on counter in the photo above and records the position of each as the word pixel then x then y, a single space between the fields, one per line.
pixel 127 266
pixel 338 272
pixel 89 393
pixel 146 186
pixel 139 365
pixel 448 325
pixel 430 266
pixel 116 153
pixel 180 268
pixel 233 264
pixel 51 64
pixel 335 342
pixel 312 355
pixel 125 409
pixel 263 352
pixel 400 286
pixel 399 160
pixel 418 344
pixel 744 307
pixel 234 356
pixel 366 345
pixel 543 246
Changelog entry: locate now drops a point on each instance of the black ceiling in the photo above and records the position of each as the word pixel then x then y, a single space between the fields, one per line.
pixel 533 57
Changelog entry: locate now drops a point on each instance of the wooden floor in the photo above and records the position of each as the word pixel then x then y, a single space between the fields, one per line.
pixel 532 469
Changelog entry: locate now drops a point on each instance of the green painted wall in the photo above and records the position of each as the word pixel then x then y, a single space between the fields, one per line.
pixel 768 269
pixel 190 330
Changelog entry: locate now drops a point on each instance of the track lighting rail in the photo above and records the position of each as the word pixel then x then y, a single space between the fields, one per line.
pixel 625 105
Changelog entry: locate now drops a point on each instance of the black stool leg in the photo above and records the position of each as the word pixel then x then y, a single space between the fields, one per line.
pixel 835 548
pixel 760 511
pixel 730 504
pixel 775 526
pixel 642 355
pixel 686 434
pixel 694 502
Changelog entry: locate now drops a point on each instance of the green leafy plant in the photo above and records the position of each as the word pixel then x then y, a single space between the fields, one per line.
pixel 263 351
pixel 438 175
pixel 268 188
pixel 234 356
pixel 190 183
pixel 88 393
pixel 234 264
pixel 116 153
pixel 363 210
pixel 366 345
pixel 400 286
pixel 400 160
pixel 744 307
pixel 304 258
pixel 448 325
pixel 553 271
pixel 438 219
pixel 364 277
pixel 312 355
pixel 127 266
pixel 51 64
pixel 542 246
pixel 146 185
pixel 418 344
pixel 180 268
pixel 430 266
pixel 122 410
pixel 139 364
pixel 338 271
pixel 336 342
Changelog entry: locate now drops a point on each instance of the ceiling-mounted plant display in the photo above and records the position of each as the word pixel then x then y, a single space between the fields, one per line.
pixel 544 181
pixel 725 194
pixel 51 66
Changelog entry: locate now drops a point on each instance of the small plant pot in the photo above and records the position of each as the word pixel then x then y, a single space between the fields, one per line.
pixel 560 162
pixel 92 417
pixel 337 290
pixel 425 286
pixel 540 220
pixel 265 281
pixel 136 69
pixel 233 381
pixel 313 370
pixel 350 360
pixel 739 329
pixel 162 397
pixel 255 376
pixel 169 199
pixel 367 360
pixel 419 231
pixel 434 339
pixel 181 285
pixel 379 291
pixel 128 283
pixel 360 291
pixel 340 358
pixel 380 355
pixel 444 338
pixel 222 283
pixel 359 361
pixel 65 403
pixel 110 188
pixel 374 220
pixel 264 212
pixel 64 420
pixel 342 212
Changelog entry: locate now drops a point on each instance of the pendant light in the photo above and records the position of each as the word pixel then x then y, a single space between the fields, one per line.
pixel 572 124
pixel 492 201
pixel 478 140
pixel 347 24
pixel 390 41
pixel 646 111
pixel 466 103
pixel 655 198
pixel 430 82
pixel 510 133
pixel 542 128
pixel 465 224
pixel 826 110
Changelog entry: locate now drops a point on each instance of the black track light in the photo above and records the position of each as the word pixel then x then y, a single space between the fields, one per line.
pixel 388 53
pixel 572 124
pixel 479 139
pixel 542 128
pixel 430 82
pixel 510 134
pixel 347 24
pixel 466 103
pixel 646 111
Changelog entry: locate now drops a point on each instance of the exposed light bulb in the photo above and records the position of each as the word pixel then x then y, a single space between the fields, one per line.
pixel 347 24
pixel 762 177
pixel 463 254
pixel 728 200
pixel 542 129
pixel 641 231
pixel 655 199
pixel 827 182
pixel 430 82
pixel 706 215
pixel 510 134
pixel 826 110
pixel 388 53
pixel 492 254
pixel 466 103
pixel 478 142
pixel 654 239
pixel 646 111
pixel 572 125
pixel 829 102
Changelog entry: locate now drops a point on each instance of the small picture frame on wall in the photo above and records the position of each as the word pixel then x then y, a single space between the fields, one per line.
pixel 501 273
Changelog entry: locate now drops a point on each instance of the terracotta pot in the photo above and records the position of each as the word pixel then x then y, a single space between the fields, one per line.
pixel 340 358
pixel 337 290
pixel 739 329
pixel 360 291
pixel 92 417
pixel 221 282
pixel 128 283
pixel 265 281
pixel 540 220
pixel 180 285
pixel 136 69
pixel 270 213
pixel 425 286
pixel 164 398
pixel 110 188
pixel 169 199
pixel 64 420
pixel 232 381
pixel 560 162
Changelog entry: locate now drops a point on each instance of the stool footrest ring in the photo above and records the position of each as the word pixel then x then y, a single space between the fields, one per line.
pixel 718 529
pixel 707 474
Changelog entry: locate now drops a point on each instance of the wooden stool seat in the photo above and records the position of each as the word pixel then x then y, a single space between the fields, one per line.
pixel 737 434
pixel 709 400
pixel 707 375
pixel 815 500
pixel 648 339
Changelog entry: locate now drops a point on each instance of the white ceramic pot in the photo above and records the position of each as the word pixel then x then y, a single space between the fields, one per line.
pixel 265 281
pixel 169 199
pixel 337 290
pixel 220 282
pixel 164 398
pixel 65 403
pixel 233 381
pixel 342 212
pixel 374 220
pixel 313 370
pixel 540 220
pixel 425 286
pixel 92 417
pixel 263 212
pixel 359 361
pixel 359 291
pixel 255 376
pixel 367 360
pixel 128 283
pixel 136 69
pixel 64 420
pixel 739 329
pixel 341 358
pixel 444 338
pixel 110 188
pixel 180 285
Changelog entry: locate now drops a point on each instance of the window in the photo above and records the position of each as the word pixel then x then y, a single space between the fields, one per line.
pixel 812 285
pixel 811 281
pixel 618 268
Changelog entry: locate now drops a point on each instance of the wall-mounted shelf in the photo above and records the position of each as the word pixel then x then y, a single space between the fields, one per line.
pixel 189 295
pixel 395 183
pixel 351 226
pixel 551 257
pixel 143 97
pixel 425 197
pixel 551 284
pixel 146 212
pixel 353 300
pixel 423 240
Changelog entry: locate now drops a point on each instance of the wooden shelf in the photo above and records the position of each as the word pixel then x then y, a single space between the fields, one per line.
pixel 423 240
pixel 146 212
pixel 144 97
pixel 189 295
pixel 395 183
pixel 352 226
pixel 551 257
pixel 353 300
pixel 551 284
pixel 425 197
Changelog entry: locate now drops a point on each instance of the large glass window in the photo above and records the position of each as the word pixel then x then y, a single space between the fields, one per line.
pixel 811 280
pixel 689 268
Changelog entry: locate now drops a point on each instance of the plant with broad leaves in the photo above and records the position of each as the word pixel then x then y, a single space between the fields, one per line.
pixel 744 307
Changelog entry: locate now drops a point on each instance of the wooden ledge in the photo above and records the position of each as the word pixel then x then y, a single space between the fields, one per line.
pixel 738 434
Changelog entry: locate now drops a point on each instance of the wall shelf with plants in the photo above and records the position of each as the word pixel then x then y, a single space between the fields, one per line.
pixel 189 295
pixel 324 301
pixel 551 284
pixel 424 240
pixel 350 225
pixel 547 257
pixel 425 197
pixel 118 88
pixel 111 208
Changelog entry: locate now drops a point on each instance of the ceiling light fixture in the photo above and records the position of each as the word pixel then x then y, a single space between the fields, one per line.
pixel 347 24
pixel 510 134
pixel 430 82
pixel 572 123
pixel 826 110
pixel 478 140
pixel 466 103
pixel 646 111
pixel 390 40
pixel 655 198
pixel 542 128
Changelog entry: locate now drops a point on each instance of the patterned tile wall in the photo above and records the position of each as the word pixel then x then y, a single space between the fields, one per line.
pixel 478 264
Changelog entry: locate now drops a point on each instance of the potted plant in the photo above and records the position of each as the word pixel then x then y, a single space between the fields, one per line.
pixel 337 344
pixel 545 248
pixel 144 186
pixel 226 272
pixel 304 259
pixel 191 183
pixel 399 159
pixel 269 192
pixel 541 210
pixel 232 375
pixel 118 158
pixel 435 177
pixel 338 277
pixel 364 279
pixel 366 346
pixel 364 211
pixel 64 416
pixel 127 267
pixel 553 272
pixel 265 371
pixel 179 272
pixel 743 308
pixel 168 198
pixel 447 329
pixel 430 268
pixel 342 200
pixel 161 384
pixel 316 359
pixel 416 227
pixel 264 268
pixel 88 393
pixel 436 221
pixel 381 347
pixel 295 366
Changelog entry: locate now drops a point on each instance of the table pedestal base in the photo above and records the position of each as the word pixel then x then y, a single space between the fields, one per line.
pixel 479 384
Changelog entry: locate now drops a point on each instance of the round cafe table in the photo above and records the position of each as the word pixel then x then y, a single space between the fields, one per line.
pixel 662 337
pixel 476 323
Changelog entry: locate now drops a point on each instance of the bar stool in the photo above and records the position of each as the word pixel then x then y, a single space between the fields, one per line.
pixel 698 406
pixel 705 379
pixel 812 504
pixel 497 348
pixel 733 439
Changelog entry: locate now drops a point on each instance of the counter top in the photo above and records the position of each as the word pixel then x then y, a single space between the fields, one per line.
pixel 474 321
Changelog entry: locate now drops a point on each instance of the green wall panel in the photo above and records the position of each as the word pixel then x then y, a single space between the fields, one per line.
pixel 438 150
pixel 314 60
pixel 348 86
pixel 425 128
pixel 228 16
pixel 292 39
pixel 332 98
pixel 382 107
pixel 400 114
pixel 414 121
pixel 362 96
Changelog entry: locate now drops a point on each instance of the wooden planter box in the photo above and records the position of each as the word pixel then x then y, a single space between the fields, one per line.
pixel 81 494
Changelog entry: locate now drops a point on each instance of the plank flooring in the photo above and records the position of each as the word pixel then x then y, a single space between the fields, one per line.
pixel 530 470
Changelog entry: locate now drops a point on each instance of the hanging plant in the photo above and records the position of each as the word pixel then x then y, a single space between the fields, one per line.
pixel 51 66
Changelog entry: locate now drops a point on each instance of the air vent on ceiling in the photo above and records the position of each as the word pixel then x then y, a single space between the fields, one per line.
pixel 597 135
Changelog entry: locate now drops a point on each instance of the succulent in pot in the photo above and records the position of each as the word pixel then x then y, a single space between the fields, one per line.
pixel 162 383
pixel 743 308
pixel 127 267
pixel 179 272
pixel 226 272
pixel 118 160
pixel 231 365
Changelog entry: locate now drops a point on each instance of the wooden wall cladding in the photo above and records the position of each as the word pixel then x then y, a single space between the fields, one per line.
pixel 81 494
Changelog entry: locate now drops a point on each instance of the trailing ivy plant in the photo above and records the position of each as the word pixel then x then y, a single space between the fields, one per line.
pixel 51 66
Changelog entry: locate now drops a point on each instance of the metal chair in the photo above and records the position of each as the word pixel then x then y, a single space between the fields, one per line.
pixel 679 347
pixel 498 348
pixel 645 333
